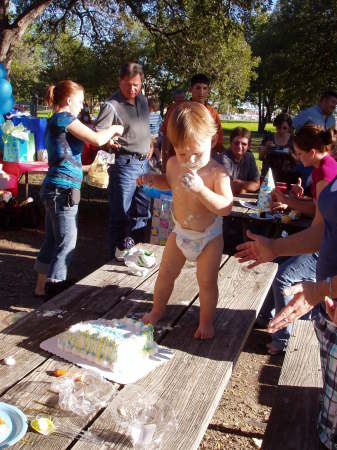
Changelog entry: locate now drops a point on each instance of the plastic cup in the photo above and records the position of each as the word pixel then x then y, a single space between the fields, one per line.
pixel 281 186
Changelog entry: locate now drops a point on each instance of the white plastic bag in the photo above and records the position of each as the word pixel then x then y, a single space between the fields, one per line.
pixel 82 393
pixel 145 418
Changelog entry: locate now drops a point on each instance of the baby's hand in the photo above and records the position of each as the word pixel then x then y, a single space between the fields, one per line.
pixel 192 181
pixel 144 179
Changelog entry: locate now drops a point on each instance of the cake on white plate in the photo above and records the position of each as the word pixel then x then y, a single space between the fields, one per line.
pixel 109 344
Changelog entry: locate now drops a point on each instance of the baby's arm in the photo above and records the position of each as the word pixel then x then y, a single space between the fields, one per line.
pixel 219 200
pixel 158 181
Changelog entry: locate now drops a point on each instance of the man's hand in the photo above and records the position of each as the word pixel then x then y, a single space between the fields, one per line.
pixel 259 249
pixel 306 296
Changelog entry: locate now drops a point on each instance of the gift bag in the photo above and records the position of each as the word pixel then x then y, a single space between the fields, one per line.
pixel 162 222
pixel 19 143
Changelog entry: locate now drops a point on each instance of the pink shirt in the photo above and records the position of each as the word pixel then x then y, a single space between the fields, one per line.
pixel 326 171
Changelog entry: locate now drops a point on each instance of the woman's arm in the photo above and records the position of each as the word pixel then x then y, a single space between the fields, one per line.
pixel 260 249
pixel 305 205
pixel 98 138
pixel 319 188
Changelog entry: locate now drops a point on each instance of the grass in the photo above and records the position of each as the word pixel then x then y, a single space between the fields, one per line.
pixel 229 125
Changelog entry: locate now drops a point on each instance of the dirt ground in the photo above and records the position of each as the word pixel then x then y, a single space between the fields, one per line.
pixel 241 417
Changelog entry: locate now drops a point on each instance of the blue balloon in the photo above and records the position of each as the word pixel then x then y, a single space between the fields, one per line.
pixel 6 105
pixel 3 72
pixel 2 120
pixel 5 89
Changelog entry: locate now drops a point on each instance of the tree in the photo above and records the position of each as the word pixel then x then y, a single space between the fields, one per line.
pixel 297 45
pixel 95 19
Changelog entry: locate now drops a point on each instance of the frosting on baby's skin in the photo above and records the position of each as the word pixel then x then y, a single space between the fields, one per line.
pixel 188 219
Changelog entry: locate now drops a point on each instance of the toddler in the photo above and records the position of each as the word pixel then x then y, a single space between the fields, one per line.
pixel 201 196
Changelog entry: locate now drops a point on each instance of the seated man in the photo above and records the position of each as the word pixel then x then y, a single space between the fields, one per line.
pixel 240 163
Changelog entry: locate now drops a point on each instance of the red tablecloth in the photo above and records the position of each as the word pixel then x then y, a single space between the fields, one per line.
pixel 19 168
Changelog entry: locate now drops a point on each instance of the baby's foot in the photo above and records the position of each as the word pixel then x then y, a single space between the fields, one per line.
pixel 152 317
pixel 204 331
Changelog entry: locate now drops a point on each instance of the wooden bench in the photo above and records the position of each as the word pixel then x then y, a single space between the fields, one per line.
pixel 293 419
pixel 193 381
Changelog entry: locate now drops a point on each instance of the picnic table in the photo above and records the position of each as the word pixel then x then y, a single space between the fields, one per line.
pixel 271 228
pixel 192 381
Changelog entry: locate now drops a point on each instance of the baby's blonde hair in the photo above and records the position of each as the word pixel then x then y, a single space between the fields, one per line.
pixel 190 122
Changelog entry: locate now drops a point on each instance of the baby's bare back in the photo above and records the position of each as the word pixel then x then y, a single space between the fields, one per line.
pixel 188 209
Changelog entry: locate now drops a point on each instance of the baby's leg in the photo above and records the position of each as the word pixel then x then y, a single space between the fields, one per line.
pixel 170 267
pixel 207 275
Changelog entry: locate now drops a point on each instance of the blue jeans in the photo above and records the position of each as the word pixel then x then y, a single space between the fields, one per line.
pixel 291 271
pixel 129 206
pixel 59 244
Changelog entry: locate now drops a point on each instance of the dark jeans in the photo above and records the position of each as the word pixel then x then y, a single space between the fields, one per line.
pixel 129 206
pixel 59 244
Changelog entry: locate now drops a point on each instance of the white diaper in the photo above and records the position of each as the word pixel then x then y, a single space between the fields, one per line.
pixel 191 242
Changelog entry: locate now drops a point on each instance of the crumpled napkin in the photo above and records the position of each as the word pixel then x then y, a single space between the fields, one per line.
pixel 139 261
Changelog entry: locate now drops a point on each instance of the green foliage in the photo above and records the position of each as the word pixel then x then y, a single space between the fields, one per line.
pixel 172 39
pixel 26 68
pixel 297 45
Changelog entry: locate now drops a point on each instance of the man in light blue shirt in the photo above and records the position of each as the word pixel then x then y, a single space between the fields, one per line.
pixel 320 114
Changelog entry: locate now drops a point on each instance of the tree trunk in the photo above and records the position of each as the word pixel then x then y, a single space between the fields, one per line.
pixel 11 33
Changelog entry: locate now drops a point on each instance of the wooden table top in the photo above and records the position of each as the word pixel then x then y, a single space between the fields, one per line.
pixel 192 381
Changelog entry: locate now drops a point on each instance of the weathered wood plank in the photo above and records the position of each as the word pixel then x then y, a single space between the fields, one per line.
pixel 184 293
pixel 195 378
pixel 102 289
pixel 140 300
pixel 292 424
pixel 81 302
pixel 24 343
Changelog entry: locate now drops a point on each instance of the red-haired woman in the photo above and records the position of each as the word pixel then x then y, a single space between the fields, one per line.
pixel 60 192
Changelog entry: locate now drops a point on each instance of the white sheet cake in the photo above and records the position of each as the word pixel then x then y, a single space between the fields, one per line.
pixel 109 342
